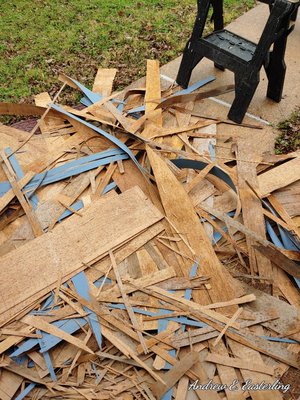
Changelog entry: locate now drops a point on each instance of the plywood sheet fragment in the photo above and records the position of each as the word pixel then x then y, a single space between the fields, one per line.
pixel 70 247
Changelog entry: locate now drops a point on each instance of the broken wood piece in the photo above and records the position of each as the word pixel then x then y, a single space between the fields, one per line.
pixel 39 323
pixel 229 323
pixel 174 374
pixel 10 194
pixel 279 177
pixel 35 225
pixel 181 213
pixel 103 82
pixel 239 363
pixel 71 247
pixel 127 303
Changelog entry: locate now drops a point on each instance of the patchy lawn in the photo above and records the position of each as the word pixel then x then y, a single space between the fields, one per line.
pixel 40 38
pixel 289 137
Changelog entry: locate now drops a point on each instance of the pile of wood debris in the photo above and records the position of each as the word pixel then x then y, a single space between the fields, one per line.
pixel 147 251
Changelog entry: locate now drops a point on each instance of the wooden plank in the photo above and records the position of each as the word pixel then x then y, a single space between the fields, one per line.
pixel 279 177
pixel 174 374
pixel 181 213
pixel 240 363
pixel 256 377
pixel 104 81
pixel 153 92
pixel 227 374
pixel 182 388
pixel 280 260
pixel 251 148
pixel 9 384
pixel 70 247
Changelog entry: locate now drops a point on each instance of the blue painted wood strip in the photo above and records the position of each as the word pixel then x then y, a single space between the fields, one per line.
pixel 69 169
pixel 283 340
pixel 49 364
pixel 87 159
pixel 19 173
pixel 180 320
pixel 189 90
pixel 82 288
pixel 108 136
pixel 48 341
pixel 70 326
pixel 35 183
pixel 47 359
pixel 196 85
pixel 91 96
pixel 85 101
pixel 26 391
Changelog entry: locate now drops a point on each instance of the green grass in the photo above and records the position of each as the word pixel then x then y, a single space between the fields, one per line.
pixel 40 38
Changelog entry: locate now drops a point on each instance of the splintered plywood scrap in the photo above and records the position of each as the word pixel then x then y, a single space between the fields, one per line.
pixel 205 146
pixel 35 225
pixel 251 148
pixel 126 301
pixel 152 97
pixel 255 377
pixel 226 373
pixel 289 198
pixel 10 194
pixel 9 384
pixel 102 266
pixel 31 151
pixel 133 177
pixel 279 177
pixel 39 323
pixel 70 247
pixel 50 211
pixel 143 281
pixel 174 374
pixel 240 363
pixel 104 81
pixel 43 100
pixel 181 213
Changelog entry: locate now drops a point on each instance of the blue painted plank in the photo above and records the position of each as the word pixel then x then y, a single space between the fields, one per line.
pixel 69 169
pixel 47 359
pixel 108 136
pixel 48 341
pixel 82 288
pixel 26 391
pixel 52 176
pixel 282 340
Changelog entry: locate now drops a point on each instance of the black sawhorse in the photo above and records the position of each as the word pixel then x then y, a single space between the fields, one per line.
pixel 240 55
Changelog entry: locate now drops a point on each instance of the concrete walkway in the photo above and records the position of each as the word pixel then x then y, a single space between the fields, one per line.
pixel 250 26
